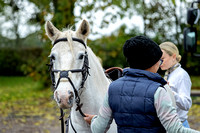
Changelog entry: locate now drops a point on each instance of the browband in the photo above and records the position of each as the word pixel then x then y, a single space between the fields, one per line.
pixel 74 39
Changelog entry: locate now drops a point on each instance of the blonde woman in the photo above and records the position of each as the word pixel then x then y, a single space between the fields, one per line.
pixel 177 78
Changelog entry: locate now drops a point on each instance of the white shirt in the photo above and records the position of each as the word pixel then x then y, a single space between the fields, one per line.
pixel 180 83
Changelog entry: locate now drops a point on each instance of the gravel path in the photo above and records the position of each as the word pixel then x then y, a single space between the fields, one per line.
pixel 28 125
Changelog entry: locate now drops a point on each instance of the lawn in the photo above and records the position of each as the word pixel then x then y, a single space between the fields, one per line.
pixel 26 106
pixel 195 82
pixel 23 92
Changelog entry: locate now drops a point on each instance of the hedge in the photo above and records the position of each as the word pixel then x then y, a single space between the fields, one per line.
pixel 12 60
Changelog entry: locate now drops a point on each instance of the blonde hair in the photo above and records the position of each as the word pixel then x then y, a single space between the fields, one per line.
pixel 170 48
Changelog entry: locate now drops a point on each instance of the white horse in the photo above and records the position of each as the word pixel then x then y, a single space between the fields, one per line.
pixel 70 74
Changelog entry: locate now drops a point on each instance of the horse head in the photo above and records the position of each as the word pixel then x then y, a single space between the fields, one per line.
pixel 69 62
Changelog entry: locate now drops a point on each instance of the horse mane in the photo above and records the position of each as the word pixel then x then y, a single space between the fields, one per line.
pixel 98 59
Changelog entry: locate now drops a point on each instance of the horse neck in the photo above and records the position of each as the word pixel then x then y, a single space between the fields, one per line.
pixel 97 74
pixel 95 86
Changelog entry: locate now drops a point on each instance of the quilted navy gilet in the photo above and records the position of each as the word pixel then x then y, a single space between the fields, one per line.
pixel 131 99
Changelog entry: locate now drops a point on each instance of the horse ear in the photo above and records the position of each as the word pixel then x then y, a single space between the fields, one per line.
pixel 83 30
pixel 51 31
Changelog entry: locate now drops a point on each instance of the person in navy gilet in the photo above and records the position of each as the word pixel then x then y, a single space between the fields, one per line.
pixel 140 101
pixel 131 98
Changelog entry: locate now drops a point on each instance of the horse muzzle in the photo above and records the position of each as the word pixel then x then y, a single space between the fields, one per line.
pixel 64 101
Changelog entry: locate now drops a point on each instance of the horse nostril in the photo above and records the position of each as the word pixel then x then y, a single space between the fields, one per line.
pixel 70 93
pixel 56 97
pixel 71 96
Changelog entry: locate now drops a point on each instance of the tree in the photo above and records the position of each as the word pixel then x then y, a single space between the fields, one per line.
pixel 10 10
pixel 159 16
pixel 14 16
pixel 109 48
pixel 162 20
pixel 61 12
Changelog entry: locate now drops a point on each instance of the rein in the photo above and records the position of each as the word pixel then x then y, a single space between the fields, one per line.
pixel 65 74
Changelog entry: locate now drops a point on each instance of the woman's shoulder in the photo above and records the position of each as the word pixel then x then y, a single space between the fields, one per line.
pixel 180 71
pixel 180 75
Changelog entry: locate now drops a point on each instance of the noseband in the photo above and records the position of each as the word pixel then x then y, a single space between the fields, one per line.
pixel 65 74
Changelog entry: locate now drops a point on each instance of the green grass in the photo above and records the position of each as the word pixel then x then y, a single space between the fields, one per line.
pixel 195 82
pixel 24 101
pixel 18 88
pixel 24 96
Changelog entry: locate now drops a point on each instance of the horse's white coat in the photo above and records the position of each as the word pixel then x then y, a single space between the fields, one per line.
pixel 67 58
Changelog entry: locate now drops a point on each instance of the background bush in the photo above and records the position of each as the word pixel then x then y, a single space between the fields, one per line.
pixel 12 60
pixel 31 61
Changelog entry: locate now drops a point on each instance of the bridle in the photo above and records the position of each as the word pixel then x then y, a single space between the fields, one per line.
pixel 65 74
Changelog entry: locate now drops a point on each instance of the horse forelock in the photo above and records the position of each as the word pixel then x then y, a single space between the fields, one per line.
pixel 69 34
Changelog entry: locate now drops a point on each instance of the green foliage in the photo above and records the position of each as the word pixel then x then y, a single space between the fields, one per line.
pixel 61 10
pixel 195 82
pixel 27 61
pixel 158 15
pixel 12 61
pixel 63 13
pixel 11 14
pixel 109 49
pixel 36 66
pixel 192 64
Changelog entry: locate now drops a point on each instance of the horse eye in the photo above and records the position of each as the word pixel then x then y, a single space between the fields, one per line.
pixel 52 57
pixel 81 56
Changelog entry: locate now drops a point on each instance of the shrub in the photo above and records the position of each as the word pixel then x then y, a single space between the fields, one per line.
pixel 10 62
pixel 29 61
